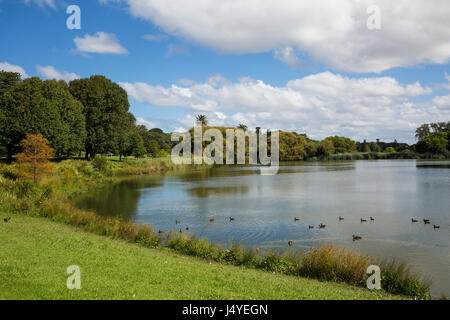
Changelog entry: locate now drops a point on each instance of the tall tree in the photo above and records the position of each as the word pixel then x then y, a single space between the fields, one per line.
pixel 106 110
pixel 46 107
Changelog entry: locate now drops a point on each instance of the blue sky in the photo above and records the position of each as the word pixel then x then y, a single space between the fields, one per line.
pixel 312 68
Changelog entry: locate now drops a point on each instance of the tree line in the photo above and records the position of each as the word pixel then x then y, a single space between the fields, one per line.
pixel 91 115
pixel 88 115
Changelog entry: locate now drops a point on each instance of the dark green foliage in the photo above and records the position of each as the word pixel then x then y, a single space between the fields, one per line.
pixel 8 80
pixel 155 140
pixel 436 143
pixel 106 110
pixel 46 107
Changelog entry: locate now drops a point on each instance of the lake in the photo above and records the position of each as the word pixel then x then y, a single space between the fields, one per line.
pixel 264 207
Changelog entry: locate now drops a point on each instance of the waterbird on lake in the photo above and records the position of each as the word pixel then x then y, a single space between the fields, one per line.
pixel 311 227
pixel 356 237
pixel 372 219
pixel 363 220
pixel 7 219
pixel 436 227
pixel 414 220
pixel 232 219
pixel 340 218
pixel 160 231
pixel 321 226
pixel 290 243
pixel 426 221
pixel 187 228
pixel 212 220
pixel 296 219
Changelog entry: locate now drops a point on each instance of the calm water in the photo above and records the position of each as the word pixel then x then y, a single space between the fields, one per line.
pixel 264 207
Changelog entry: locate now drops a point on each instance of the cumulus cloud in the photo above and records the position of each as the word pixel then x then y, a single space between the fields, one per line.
pixel 49 72
pixel 329 31
pixel 101 42
pixel 320 104
pixel 288 56
pixel 5 66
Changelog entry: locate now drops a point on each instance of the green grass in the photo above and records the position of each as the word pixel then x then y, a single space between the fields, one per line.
pixel 35 253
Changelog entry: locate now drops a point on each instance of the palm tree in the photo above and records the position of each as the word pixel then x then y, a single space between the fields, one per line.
pixel 202 119
pixel 242 127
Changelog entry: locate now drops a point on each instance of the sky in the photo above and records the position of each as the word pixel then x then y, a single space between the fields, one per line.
pixel 366 69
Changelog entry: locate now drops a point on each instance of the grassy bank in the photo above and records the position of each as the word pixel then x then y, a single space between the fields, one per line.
pixel 36 253
pixel 49 200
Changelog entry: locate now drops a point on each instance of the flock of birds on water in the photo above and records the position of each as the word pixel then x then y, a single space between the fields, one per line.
pixel 290 243
pixel 321 226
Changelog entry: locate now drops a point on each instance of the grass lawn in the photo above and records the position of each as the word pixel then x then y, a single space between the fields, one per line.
pixel 35 253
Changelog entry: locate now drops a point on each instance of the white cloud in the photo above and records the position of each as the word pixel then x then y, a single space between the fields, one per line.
pixel 49 72
pixel 101 42
pixel 329 31
pixel 148 124
pixel 288 56
pixel 321 104
pixel 5 66
pixel 42 3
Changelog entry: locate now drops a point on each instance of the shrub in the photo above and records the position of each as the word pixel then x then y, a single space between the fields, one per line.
pixel 275 263
pixel 146 237
pixel 397 278
pixel 9 172
pixel 100 164
pixel 24 188
pixel 331 263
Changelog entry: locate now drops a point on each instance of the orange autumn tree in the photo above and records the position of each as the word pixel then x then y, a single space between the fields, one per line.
pixel 34 161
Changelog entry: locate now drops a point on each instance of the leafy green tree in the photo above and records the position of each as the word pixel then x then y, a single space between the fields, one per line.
pixel 390 150
pixel 436 143
pixel 8 80
pixel 46 107
pixel 375 147
pixel 342 144
pixel 325 148
pixel 106 110
pixel 137 147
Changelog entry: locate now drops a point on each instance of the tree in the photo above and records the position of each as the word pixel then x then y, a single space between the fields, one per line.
pixel 242 127
pixel 137 147
pixel 202 119
pixel 106 110
pixel 45 107
pixel 375 147
pixel 8 80
pixel 342 144
pixel 436 143
pixel 34 161
pixel 390 150
pixel 325 148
